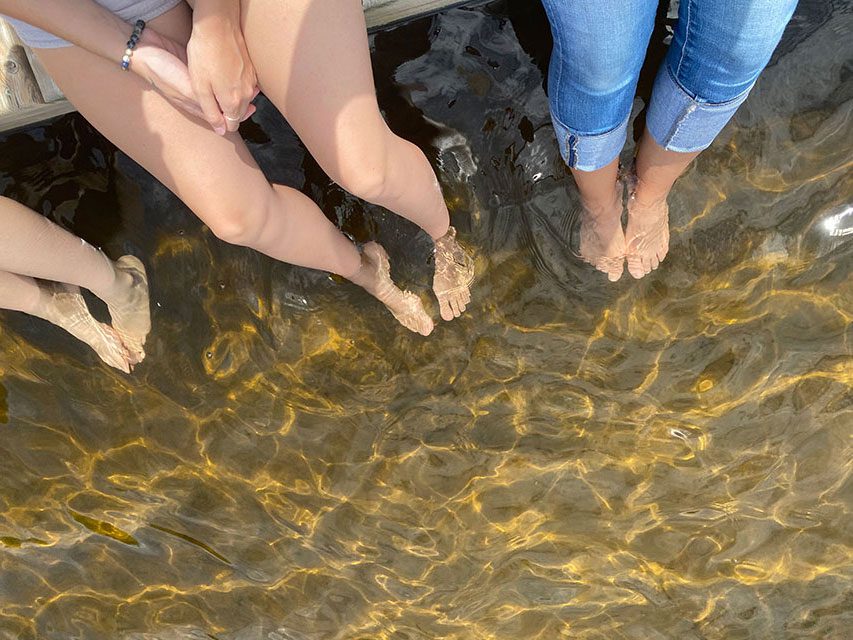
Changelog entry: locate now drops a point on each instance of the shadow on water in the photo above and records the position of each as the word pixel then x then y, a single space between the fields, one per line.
pixel 666 458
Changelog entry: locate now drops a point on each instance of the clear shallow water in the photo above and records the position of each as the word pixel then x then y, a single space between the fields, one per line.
pixel 667 458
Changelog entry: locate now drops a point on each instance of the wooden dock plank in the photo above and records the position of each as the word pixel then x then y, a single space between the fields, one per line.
pixel 18 87
pixel 34 114
pixel 49 91
pixel 384 12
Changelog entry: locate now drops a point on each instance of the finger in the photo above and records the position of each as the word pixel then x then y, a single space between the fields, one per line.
pixel 191 108
pixel 184 102
pixel 179 91
pixel 210 108
pixel 249 112
pixel 179 100
pixel 234 114
pixel 234 107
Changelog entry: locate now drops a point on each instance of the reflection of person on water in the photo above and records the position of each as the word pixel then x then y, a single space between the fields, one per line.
pixel 718 50
pixel 171 92
pixel 43 267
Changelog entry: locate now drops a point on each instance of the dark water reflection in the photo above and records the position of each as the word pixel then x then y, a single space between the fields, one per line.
pixel 667 458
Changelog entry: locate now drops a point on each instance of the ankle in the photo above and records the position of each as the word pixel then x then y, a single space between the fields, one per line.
pixel 364 276
pixel 648 194
pixel 119 290
pixel 604 206
pixel 41 305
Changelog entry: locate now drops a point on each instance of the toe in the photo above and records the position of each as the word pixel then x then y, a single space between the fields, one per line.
pixel 445 308
pixel 661 254
pixel 613 267
pixel 454 305
pixel 116 361
pixel 112 351
pixel 136 353
pixel 426 326
pixel 461 303
pixel 635 267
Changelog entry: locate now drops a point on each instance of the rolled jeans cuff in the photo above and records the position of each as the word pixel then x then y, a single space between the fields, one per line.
pixel 587 152
pixel 681 122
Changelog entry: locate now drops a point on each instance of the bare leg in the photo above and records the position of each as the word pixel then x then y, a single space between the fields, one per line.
pixel 63 306
pixel 313 62
pixel 32 245
pixel 215 176
pixel 647 233
pixel 602 242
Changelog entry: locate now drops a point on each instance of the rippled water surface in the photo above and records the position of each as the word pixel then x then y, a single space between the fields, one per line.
pixel 668 458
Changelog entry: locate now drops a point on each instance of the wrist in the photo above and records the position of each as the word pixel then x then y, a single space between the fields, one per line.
pixel 141 55
pixel 216 14
pixel 135 35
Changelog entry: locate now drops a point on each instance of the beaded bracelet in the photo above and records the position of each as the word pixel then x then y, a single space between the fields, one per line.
pixel 138 28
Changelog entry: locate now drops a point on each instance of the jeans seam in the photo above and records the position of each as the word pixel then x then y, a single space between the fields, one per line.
pixel 676 127
pixel 686 35
pixel 559 74
pixel 572 150
pixel 695 98
pixel 694 105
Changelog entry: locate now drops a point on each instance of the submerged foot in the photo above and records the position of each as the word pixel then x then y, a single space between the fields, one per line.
pixel 602 241
pixel 454 273
pixel 375 277
pixel 647 233
pixel 66 308
pixel 130 314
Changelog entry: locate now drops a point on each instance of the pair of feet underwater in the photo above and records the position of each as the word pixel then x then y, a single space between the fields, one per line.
pixel 644 242
pixel 119 344
pixel 454 272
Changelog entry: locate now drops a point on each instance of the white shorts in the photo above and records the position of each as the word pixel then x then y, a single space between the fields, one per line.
pixel 128 10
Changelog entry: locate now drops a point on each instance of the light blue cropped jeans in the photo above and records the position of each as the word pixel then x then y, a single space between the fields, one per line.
pixel 717 52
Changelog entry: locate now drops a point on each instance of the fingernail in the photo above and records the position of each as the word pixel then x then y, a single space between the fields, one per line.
pixel 219 129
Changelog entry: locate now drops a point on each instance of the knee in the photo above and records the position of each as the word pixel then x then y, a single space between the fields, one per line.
pixel 239 225
pixel 722 61
pixel 605 78
pixel 598 63
pixel 363 170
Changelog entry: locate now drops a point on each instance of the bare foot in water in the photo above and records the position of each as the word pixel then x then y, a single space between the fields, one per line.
pixel 64 306
pixel 131 317
pixel 647 233
pixel 375 277
pixel 602 241
pixel 454 272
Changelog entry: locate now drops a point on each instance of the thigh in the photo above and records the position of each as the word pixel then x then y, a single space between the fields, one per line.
pixel 599 48
pixel 313 62
pixel 721 46
pixel 210 173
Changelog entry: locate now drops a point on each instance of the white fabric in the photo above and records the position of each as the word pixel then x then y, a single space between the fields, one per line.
pixel 128 10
